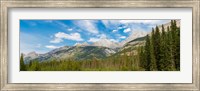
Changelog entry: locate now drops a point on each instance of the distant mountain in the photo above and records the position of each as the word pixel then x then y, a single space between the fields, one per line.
pixel 110 44
pixel 31 56
pixel 76 52
pixel 106 43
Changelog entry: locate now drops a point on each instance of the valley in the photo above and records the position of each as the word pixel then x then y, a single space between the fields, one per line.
pixel 141 51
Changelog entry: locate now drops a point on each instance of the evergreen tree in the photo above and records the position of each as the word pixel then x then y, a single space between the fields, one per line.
pixel 157 46
pixel 176 36
pixel 142 58
pixel 175 43
pixel 163 51
pixel 153 65
pixel 147 52
pixel 153 38
pixel 37 66
pixel 178 50
pixel 169 52
pixel 150 58
pixel 22 65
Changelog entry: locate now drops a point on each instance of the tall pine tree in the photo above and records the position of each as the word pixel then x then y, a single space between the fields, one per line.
pixel 22 65
pixel 157 47
pixel 169 52
pixel 150 58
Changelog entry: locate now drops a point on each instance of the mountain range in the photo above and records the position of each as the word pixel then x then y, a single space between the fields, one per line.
pixel 98 50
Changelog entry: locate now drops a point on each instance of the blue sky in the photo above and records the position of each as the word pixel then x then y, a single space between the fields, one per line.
pixel 42 36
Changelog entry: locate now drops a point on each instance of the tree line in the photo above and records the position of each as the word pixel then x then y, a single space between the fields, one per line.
pixel 162 49
pixel 161 52
pixel 117 63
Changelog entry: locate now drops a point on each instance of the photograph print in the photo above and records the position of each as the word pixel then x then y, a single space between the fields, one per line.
pixel 100 45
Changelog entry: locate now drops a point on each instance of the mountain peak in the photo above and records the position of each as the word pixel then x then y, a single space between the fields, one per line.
pixel 105 43
pixel 33 53
pixel 30 56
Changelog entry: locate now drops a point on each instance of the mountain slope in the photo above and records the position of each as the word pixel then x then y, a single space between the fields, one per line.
pixel 31 56
pixel 76 52
pixel 104 42
pixel 130 48
pixel 134 35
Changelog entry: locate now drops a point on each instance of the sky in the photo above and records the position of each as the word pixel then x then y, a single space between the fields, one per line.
pixel 42 36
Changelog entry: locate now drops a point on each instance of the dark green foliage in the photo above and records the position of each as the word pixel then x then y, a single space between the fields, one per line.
pixel 142 58
pixel 149 54
pixel 163 49
pixel 176 43
pixel 33 66
pixel 22 65
pixel 156 43
pixel 120 63
pixel 170 65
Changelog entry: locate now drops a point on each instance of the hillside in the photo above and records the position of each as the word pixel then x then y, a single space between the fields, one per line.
pixel 74 52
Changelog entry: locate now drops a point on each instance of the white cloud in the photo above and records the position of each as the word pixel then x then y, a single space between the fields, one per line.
pixel 93 39
pixel 60 36
pixel 110 23
pixel 127 30
pixel 70 29
pixel 56 40
pixel 102 36
pixel 106 23
pixel 61 24
pixel 113 40
pixel 72 36
pixel 114 31
pixel 88 25
pixel 51 46
pixel 122 37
